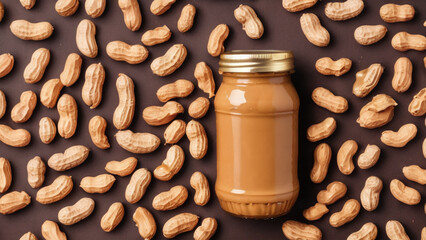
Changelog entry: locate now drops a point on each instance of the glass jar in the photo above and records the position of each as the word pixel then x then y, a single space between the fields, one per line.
pixel 257 111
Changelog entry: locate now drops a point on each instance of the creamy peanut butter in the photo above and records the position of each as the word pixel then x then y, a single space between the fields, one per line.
pixel 257 144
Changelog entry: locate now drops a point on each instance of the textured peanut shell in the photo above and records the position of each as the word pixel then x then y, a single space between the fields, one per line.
pixel 369 34
pixel 131 14
pixel 201 186
pixel 85 38
pixel 158 7
pixel 370 194
pixel 36 170
pixel 322 157
pixel 178 224
pixel 249 20
pixel 145 223
pixel 369 157
pixel 68 114
pixel 112 217
pixel 340 11
pixel 403 193
pixel 56 191
pixel 156 36
pixel 91 91
pixel 380 103
pixel 315 212
pixel 170 199
pixel 218 35
pixel 334 192
pixel 345 155
pixel 417 106
pixel 328 66
pixel 297 230
pixel 199 107
pixel 179 89
pixel 14 201
pixel 395 231
pixel 3 104
pixel 50 92
pixel 171 165
pixel 321 130
pixel 206 230
pixel 326 99
pixel 186 19
pixel 170 61
pixel 123 114
pixel 367 80
pixel 156 115
pixel 97 126
pixel 378 112
pixel 415 173
pixel 348 213
pixel 137 186
pixel 5 175
pixel 204 76
pixel 402 77
pixel 138 143
pixel 47 130
pixel 368 231
pixel 66 8
pixel 95 8
pixel 122 168
pixel 400 138
pixel 404 41
pixel 99 184
pixel 23 110
pixel 14 137
pixel 175 131
pixel 27 4
pixel 424 148
pixel 392 13
pixel 7 62
pixel 75 213
pixel 35 69
pixel 313 30
pixel 50 231
pixel 70 158
pixel 31 31
pixel 298 5
pixel 198 139
pixel 121 51
pixel 28 235
pixel 72 69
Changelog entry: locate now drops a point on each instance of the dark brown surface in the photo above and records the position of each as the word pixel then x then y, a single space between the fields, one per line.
pixel 282 31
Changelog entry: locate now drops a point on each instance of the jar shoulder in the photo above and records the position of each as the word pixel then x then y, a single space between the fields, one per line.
pixel 261 97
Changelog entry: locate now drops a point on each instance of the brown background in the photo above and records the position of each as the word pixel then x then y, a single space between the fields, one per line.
pixel 282 31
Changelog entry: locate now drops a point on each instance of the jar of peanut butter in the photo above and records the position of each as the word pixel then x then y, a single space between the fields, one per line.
pixel 257 111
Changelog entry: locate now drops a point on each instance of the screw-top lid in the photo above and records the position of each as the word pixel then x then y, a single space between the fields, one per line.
pixel 256 61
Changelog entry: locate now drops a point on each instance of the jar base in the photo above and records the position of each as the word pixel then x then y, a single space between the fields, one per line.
pixel 257 210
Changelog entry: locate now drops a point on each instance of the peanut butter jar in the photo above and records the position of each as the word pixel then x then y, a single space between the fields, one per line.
pixel 257 110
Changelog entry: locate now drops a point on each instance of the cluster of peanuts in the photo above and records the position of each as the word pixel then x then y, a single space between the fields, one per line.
pixel 377 113
pixel 133 142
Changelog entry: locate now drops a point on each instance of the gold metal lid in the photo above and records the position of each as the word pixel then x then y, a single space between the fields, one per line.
pixel 256 61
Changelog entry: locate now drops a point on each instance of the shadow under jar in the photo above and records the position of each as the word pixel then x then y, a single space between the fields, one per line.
pixel 257 110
